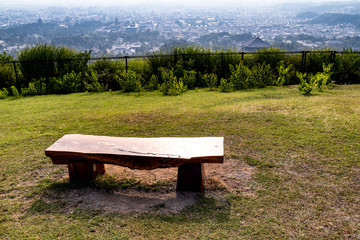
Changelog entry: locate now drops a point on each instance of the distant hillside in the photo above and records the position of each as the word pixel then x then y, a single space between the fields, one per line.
pixel 352 7
pixel 307 15
pixel 349 7
pixel 337 18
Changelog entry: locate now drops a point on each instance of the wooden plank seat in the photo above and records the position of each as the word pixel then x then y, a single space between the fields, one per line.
pixel 86 155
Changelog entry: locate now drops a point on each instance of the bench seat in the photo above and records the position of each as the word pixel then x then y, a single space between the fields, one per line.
pixel 86 155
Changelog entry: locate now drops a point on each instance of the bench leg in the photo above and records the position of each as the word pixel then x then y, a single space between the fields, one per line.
pixel 191 178
pixel 83 171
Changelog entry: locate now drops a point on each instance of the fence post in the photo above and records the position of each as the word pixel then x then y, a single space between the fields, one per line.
pixel 126 64
pixel 333 56
pixel 16 74
pixel 303 60
pixel 242 56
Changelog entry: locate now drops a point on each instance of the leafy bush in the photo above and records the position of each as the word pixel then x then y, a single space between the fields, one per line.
pixel 7 73
pixel 192 58
pixel 37 87
pixel 158 61
pixel 306 83
pixel 4 93
pixel 30 90
pixel 130 81
pixel 91 82
pixel 226 86
pixel 284 74
pixel 152 84
pixel 346 67
pixel 108 72
pixel 69 83
pixel 15 92
pixel 240 76
pixel 211 80
pixel 261 76
pixel 323 79
pixel 320 80
pixel 189 78
pixel 171 85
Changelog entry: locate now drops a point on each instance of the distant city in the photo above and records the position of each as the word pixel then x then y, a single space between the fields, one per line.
pixel 138 30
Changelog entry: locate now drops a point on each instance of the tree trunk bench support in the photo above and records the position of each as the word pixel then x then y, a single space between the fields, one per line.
pixel 86 155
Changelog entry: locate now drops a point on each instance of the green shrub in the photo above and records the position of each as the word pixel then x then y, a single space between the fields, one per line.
pixel 190 58
pixel 211 80
pixel 15 92
pixel 240 76
pixel 284 74
pixel 346 67
pixel 7 72
pixel 171 85
pixel 261 76
pixel 69 83
pixel 320 80
pixel 4 93
pixel 323 79
pixel 92 83
pixel 158 61
pixel 189 78
pixel 152 84
pixel 53 86
pixel 306 83
pixel 37 87
pixel 108 72
pixel 226 86
pixel 40 86
pixel 130 81
pixel 30 90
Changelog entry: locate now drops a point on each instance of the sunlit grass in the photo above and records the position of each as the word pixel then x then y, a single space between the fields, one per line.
pixel 305 152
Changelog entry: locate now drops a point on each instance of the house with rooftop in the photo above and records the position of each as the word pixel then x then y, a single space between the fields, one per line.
pixel 254 44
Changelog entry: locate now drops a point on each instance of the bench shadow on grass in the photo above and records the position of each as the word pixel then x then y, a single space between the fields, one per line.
pixel 108 196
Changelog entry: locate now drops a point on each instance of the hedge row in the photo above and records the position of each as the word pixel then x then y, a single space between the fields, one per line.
pixel 46 69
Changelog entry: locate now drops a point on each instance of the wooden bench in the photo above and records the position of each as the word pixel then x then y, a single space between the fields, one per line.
pixel 86 155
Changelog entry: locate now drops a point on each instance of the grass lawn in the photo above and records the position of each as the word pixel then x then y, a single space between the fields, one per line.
pixel 305 153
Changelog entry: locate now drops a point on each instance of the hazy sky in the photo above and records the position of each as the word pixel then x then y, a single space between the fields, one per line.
pixel 127 2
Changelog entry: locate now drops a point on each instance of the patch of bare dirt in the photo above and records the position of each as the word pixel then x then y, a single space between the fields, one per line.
pixel 232 176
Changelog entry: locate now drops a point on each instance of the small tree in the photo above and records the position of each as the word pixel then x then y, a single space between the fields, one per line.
pixel 323 79
pixel 189 78
pixel 226 85
pixel 130 81
pixel 240 76
pixel 284 74
pixel 211 80
pixel 171 85
pixel 306 83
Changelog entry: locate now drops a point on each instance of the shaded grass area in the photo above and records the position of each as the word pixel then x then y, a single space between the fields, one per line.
pixel 305 152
